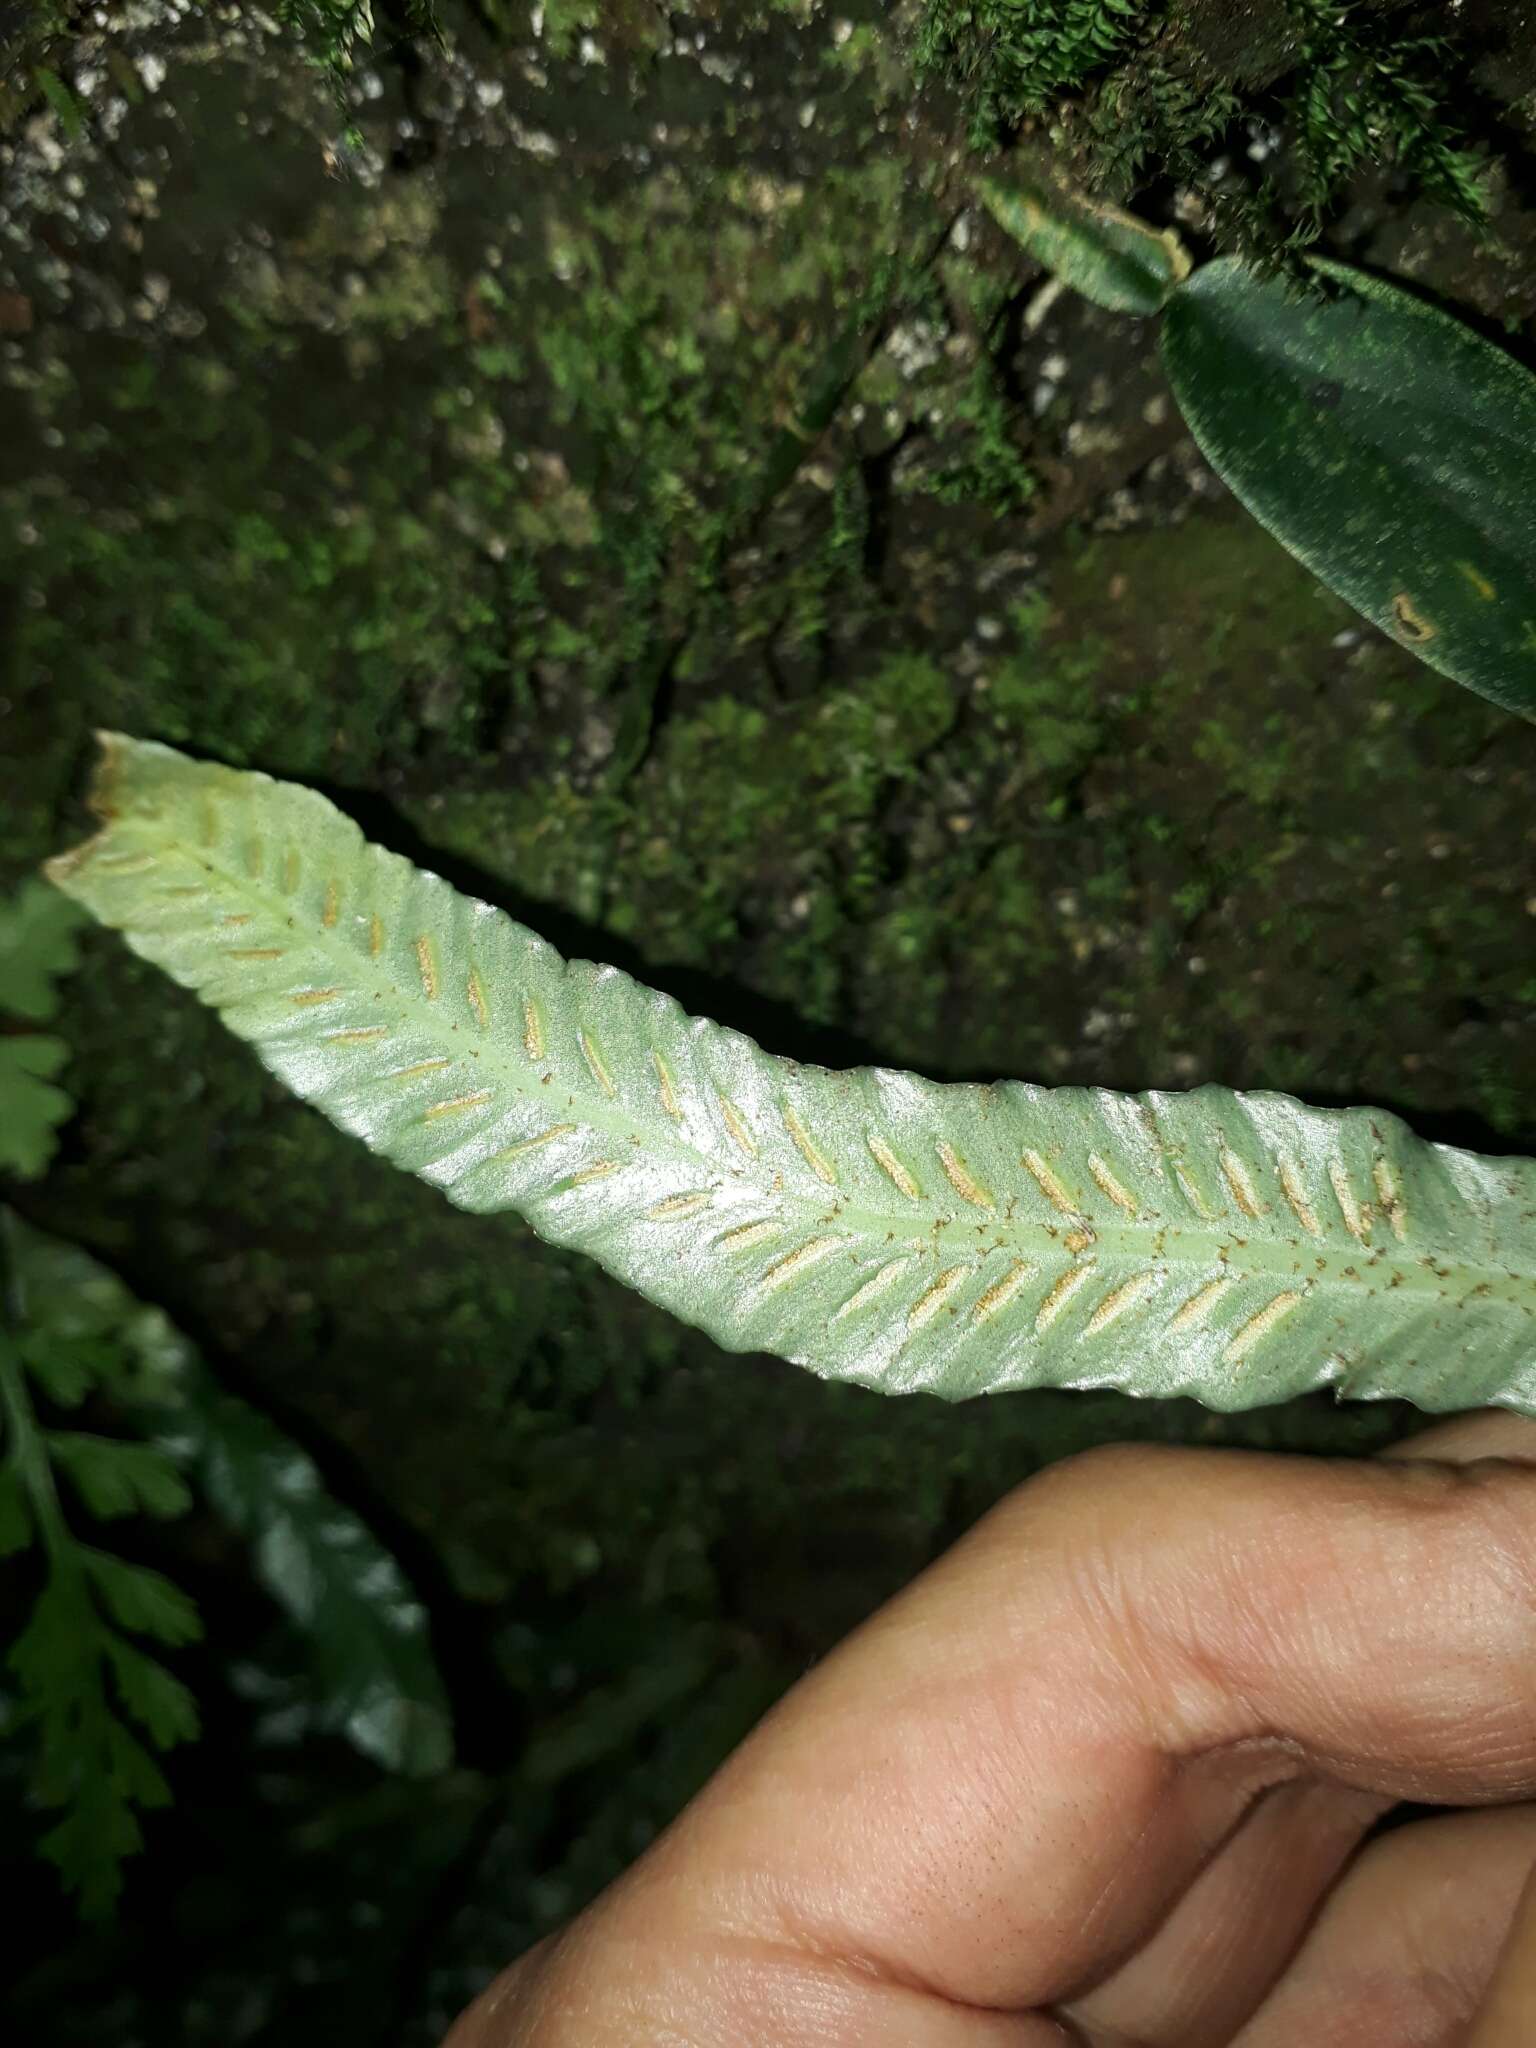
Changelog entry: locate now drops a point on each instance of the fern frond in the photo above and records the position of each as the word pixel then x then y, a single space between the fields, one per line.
pixel 1361 99
pixel 96 1703
pixel 871 1225
pixel 37 949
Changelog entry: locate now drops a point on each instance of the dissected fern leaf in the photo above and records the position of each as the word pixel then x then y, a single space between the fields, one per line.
pixel 39 935
pixel 93 1700
pixel 37 948
pixel 32 1107
pixel 89 1700
pixel 871 1225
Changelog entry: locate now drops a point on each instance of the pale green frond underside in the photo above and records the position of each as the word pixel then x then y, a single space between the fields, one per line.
pixel 874 1226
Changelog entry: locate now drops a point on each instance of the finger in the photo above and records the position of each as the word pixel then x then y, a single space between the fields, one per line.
pixel 1004 1781
pixel 1463 1439
pixel 1237 1927
pixel 1403 1952
pixel 595 1987
pixel 1507 2017
pixel 1203 1972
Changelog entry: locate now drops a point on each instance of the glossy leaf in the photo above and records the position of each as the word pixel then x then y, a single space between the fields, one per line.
pixel 372 1677
pixel 1388 446
pixel 874 1226
pixel 1109 256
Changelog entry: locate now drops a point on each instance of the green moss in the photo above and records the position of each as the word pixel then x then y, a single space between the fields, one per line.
pixel 1044 708
pixel 334 33
pixel 1143 98
pixel 1361 99
pixel 741 804
pixel 989 467
pixel 429 505
pixel 1015 60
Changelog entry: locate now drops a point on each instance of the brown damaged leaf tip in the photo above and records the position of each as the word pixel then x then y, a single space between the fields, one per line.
pixel 106 773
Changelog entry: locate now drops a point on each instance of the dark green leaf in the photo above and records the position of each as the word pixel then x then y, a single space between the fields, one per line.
pixel 76 1676
pixel 39 943
pixel 109 1774
pixel 90 1843
pixel 58 1642
pixel 65 1368
pixel 140 1599
pixel 160 1704
pixel 88 1764
pixel 1388 446
pixel 62 101
pixel 372 1674
pixel 15 1516
pixel 31 1108
pixel 116 1478
pixel 80 1326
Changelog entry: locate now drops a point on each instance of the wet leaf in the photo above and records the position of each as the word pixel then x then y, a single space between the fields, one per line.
pixel 871 1225
pixel 1387 445
pixel 372 1675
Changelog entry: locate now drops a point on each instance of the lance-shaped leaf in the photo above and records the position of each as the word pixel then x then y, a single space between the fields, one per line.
pixel 871 1225
pixel 1388 446
pixel 371 1673
pixel 1110 256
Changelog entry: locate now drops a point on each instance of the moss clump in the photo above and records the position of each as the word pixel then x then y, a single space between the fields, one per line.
pixel 1324 87
pixel 1014 60
pixel 1361 98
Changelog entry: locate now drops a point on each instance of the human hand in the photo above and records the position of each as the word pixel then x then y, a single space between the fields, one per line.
pixel 1102 1776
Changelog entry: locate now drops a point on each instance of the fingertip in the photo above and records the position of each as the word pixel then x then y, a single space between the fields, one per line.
pixel 1466 1439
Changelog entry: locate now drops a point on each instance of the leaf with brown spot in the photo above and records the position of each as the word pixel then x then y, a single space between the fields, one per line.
pixel 1387 445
